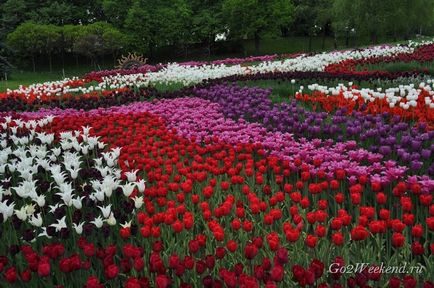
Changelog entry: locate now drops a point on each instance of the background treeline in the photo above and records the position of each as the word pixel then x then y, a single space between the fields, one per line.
pixel 50 30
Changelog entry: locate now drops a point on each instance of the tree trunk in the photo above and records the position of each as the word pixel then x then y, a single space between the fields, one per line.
pixel 374 37
pixel 407 35
pixel 50 62
pixel 211 45
pixel 310 43
pixel 151 51
pixel 63 58
pixel 323 39
pixel 62 51
pixel 347 39
pixel 33 63
pixel 257 42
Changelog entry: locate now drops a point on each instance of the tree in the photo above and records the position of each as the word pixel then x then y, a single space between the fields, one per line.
pixel 116 11
pixel 31 38
pixel 97 39
pixel 114 41
pixel 54 13
pixel 207 21
pixel 50 35
pixel 387 17
pixel 312 17
pixel 154 24
pixel 87 11
pixel 5 66
pixel 26 40
pixel 70 34
pixel 12 14
pixel 138 24
pixel 254 18
pixel 89 45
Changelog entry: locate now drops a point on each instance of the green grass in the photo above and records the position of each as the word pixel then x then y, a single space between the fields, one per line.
pixel 23 77
pixel 284 91
pixel 400 66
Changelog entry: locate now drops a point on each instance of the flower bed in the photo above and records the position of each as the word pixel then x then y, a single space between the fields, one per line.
pixel 216 185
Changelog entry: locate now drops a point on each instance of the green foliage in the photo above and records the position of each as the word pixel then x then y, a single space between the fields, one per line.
pixel 26 39
pixel 158 23
pixel 312 16
pixel 138 24
pixel 94 28
pixel 254 18
pixel 30 39
pixel 96 39
pixel 116 11
pixel 245 18
pixel 207 20
pixel 11 15
pixel 55 13
pixel 375 18
pixel 92 40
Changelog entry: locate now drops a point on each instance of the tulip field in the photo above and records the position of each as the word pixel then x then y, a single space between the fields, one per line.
pixel 198 174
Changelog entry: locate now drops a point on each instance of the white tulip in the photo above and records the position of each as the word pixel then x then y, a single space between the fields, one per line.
pixel 138 202
pixel 40 200
pixel 60 224
pixel 128 189
pixel 106 211
pixel 131 175
pixel 78 228
pixel 98 222
pixel 36 220
pixel 111 220
pixel 141 185
pixel 21 214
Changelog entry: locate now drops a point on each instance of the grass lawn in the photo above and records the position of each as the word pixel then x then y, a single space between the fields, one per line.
pixel 284 91
pixel 21 77
pixel 400 66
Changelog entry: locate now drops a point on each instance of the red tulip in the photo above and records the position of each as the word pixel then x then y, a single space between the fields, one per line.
pixel 359 233
pixel 162 281
pixel 11 275
pixel 111 271
pixel 277 273
pixel 250 251
pixel 398 240
pixel 44 268
pixel 311 241
pixel 93 282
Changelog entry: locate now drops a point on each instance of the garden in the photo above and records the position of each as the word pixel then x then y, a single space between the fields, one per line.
pixel 283 170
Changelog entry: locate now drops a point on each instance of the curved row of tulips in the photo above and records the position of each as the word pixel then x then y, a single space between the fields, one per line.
pixel 65 94
pixel 196 74
pixel 407 101
pixel 422 54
